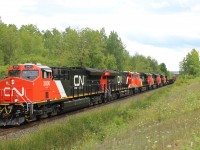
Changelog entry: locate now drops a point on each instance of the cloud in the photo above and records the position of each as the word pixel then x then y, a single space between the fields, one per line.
pixel 165 42
pixel 170 56
pixel 153 27
pixel 169 6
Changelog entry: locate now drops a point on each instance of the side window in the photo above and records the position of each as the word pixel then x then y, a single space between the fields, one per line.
pixel 64 74
pixel 135 75
pixel 46 74
pixel 55 72
pixel 61 73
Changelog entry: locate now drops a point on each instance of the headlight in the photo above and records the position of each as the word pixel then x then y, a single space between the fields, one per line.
pixel 16 100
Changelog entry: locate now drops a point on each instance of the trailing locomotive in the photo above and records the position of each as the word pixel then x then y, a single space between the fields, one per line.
pixel 32 92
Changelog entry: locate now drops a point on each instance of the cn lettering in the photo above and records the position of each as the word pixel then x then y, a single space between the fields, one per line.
pixel 119 79
pixel 78 80
pixel 9 92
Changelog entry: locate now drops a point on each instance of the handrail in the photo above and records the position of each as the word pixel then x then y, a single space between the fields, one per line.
pixel 25 100
pixel 1 95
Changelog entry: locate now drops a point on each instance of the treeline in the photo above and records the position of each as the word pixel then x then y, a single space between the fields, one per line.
pixel 190 65
pixel 71 47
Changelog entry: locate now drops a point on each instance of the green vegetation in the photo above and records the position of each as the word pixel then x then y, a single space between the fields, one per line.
pixel 71 47
pixel 190 65
pixel 165 118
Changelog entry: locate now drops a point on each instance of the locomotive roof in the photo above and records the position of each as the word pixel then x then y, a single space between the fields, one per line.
pixel 43 67
pixel 90 71
pixel 143 73
pixel 99 72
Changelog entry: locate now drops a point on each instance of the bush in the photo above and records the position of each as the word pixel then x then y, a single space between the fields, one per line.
pixel 3 70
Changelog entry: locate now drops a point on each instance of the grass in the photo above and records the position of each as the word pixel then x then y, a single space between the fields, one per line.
pixel 172 122
pixel 167 118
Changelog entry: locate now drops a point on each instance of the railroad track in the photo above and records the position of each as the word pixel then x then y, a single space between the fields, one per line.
pixel 11 130
pixel 8 131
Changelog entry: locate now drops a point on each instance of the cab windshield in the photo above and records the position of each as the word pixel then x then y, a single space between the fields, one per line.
pixel 135 75
pixel 30 74
pixel 14 73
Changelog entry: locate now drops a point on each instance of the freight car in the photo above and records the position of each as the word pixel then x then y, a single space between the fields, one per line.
pixel 33 91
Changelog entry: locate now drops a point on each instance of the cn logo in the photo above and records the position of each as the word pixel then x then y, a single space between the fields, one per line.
pixel 8 92
pixel 78 81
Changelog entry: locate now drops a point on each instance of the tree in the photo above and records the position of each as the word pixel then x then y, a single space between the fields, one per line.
pixel 1 58
pixel 153 65
pixel 163 68
pixel 116 48
pixel 91 48
pixel 140 63
pixel 72 47
pixel 9 42
pixel 190 64
pixel 111 62
pixel 31 45
pixel 1 20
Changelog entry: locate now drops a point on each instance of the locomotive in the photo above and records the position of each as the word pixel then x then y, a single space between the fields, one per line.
pixel 34 91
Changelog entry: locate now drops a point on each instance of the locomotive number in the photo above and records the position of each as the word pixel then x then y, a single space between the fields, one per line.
pixel 46 83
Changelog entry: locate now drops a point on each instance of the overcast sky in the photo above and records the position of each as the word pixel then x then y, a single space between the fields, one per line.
pixel 163 29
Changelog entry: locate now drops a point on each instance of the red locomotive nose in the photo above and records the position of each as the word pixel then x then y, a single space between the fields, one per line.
pixel 9 91
pixel 1 95
pixel 6 90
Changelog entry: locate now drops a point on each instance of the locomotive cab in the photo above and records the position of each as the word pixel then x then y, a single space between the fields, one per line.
pixel 27 72
pixel 137 79
pixel 163 79
pixel 134 82
pixel 24 81
pixel 157 79
pixel 150 80
pixel 30 72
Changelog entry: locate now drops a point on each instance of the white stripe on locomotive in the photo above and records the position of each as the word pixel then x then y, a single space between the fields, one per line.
pixel 60 88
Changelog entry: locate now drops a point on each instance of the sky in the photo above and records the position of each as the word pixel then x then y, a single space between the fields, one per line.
pixel 166 30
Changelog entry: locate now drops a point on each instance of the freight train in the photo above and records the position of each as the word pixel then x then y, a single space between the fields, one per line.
pixel 34 91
